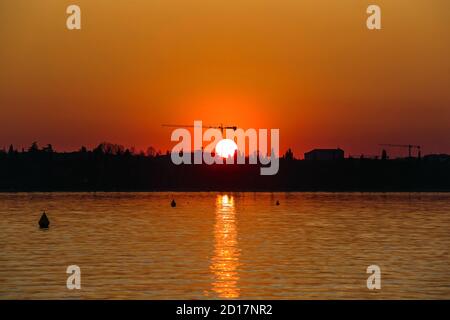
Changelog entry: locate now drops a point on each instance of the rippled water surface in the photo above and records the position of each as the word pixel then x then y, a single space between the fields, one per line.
pixel 225 245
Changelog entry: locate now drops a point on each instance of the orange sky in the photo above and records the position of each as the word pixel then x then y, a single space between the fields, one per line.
pixel 309 68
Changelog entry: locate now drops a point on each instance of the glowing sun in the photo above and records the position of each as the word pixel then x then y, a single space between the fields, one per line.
pixel 226 148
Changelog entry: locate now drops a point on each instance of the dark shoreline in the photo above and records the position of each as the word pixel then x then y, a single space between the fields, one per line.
pixel 95 171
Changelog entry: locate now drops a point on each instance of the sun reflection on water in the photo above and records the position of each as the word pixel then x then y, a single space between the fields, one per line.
pixel 226 252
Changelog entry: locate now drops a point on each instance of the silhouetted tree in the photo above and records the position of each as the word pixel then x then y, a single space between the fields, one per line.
pixel 33 148
pixel 289 155
pixel 48 149
pixel 110 148
pixel 151 152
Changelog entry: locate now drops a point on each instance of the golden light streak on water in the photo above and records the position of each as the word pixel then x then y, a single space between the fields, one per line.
pixel 226 251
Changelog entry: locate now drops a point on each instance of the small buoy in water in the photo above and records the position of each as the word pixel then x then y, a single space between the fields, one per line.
pixel 277 203
pixel 173 204
pixel 43 221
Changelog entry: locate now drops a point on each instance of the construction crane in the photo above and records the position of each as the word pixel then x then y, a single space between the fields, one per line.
pixel 409 146
pixel 221 126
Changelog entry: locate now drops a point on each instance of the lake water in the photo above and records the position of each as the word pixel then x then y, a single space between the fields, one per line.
pixel 225 245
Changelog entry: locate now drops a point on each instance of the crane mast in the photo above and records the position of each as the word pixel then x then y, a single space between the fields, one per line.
pixel 409 146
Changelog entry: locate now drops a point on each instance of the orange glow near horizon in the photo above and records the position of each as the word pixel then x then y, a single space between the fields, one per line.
pixel 309 68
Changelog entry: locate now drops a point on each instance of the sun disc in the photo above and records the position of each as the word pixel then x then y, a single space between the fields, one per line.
pixel 226 148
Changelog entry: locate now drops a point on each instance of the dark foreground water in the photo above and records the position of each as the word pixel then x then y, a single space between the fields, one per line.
pixel 225 245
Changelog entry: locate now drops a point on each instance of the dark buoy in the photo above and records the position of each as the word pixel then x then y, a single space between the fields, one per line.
pixel 44 222
pixel 277 203
pixel 173 204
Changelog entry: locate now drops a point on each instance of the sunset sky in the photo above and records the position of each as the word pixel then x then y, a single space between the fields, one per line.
pixel 308 67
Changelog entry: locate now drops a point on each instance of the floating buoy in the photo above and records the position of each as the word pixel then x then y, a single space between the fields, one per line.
pixel 277 203
pixel 43 221
pixel 173 204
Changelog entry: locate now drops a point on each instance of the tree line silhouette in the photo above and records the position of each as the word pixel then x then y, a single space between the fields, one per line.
pixel 111 167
